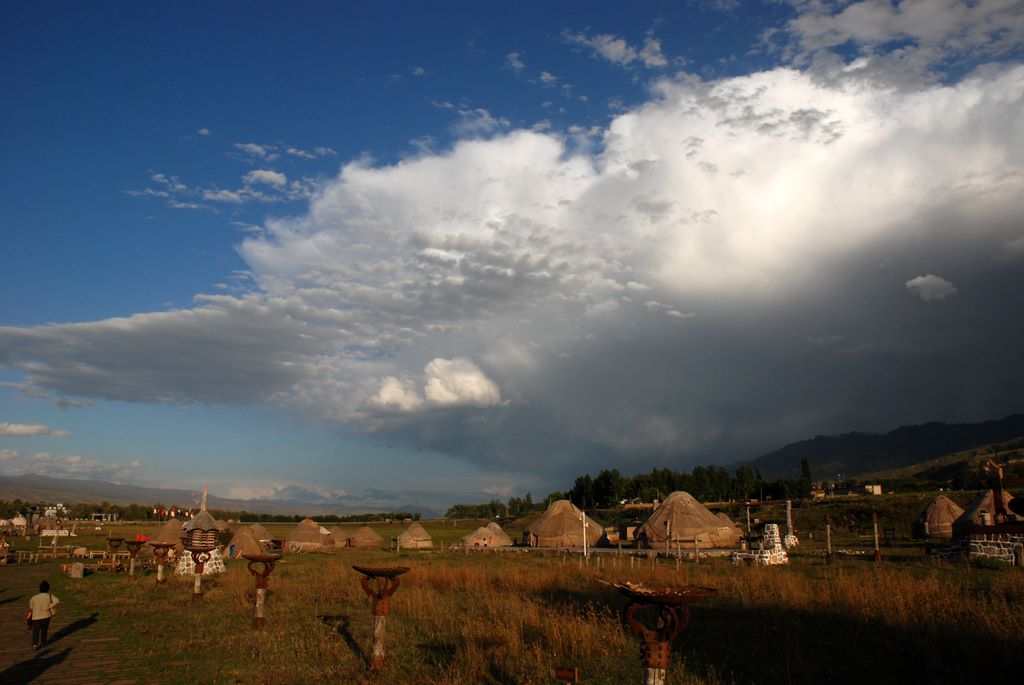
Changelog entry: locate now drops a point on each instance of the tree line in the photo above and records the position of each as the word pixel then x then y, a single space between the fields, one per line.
pixel 610 488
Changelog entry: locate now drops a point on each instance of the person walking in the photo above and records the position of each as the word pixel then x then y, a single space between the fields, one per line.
pixel 43 606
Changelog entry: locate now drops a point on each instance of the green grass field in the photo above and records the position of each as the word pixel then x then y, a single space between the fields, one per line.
pixel 513 617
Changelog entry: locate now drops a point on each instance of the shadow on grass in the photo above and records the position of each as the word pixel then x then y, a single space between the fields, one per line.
pixel 30 669
pixel 11 599
pixel 74 627
pixel 340 622
pixel 766 645
pixel 437 654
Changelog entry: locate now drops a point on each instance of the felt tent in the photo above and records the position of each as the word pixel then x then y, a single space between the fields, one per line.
pixel 972 516
pixel 939 516
pixel 415 537
pixel 259 532
pixel 481 537
pixel 171 531
pixel 306 537
pixel 242 542
pixel 682 520
pixel 562 526
pixel 363 536
pixel 501 538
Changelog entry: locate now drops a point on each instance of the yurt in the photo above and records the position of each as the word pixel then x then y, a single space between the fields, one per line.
pixel 936 520
pixel 242 542
pixel 171 531
pixel 363 536
pixel 259 532
pixel 481 537
pixel 415 537
pixel 501 538
pixel 682 520
pixel 974 513
pixel 562 526
pixel 307 537
pixel 729 523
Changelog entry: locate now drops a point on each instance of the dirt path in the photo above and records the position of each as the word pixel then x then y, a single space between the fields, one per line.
pixel 79 651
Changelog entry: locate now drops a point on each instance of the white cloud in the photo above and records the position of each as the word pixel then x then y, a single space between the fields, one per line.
pixel 267 152
pixel 514 61
pixel 906 38
pixel 66 466
pixel 478 122
pixel 722 197
pixel 617 51
pixel 605 45
pixel 418 71
pixel 266 176
pixel 395 394
pixel 203 132
pixel 220 195
pixel 13 429
pixel 651 53
pixel 459 382
pixel 547 78
pixel 930 287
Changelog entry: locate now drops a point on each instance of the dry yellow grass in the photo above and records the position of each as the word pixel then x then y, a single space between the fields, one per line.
pixel 514 617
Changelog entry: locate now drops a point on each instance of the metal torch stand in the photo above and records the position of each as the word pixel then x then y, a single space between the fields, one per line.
pixel 133 550
pixel 199 558
pixel 261 576
pixel 160 551
pixel 656 642
pixel 387 584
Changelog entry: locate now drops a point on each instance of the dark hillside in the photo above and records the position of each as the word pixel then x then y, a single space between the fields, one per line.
pixel 851 454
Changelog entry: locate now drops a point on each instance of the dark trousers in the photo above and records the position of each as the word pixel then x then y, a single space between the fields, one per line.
pixel 39 628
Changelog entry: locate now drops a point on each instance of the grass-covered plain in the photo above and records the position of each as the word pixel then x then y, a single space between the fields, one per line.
pixel 512 617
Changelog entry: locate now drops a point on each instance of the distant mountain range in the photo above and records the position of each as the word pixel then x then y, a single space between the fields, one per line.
pixel 853 454
pixel 68 491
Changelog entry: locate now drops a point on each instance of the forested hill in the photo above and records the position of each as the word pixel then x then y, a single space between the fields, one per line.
pixel 851 454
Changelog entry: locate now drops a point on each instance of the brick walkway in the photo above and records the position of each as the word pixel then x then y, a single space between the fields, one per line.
pixel 78 653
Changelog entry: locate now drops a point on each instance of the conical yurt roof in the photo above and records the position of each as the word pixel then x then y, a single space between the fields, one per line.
pixel 201 521
pixel 242 542
pixel 259 532
pixel 682 520
pixel 972 513
pixel 171 531
pixel 562 526
pixel 306 537
pixel 363 536
pixel 940 514
pixel 415 537
pixel 501 538
pixel 481 537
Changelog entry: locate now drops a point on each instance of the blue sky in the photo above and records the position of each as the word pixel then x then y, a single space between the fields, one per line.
pixel 399 253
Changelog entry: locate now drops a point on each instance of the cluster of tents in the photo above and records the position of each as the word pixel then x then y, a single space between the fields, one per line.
pixel 310 536
pixel 680 522
pixel 943 519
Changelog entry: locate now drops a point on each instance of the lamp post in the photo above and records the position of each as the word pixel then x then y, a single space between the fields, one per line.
pixel 160 550
pixel 379 583
pixel 261 576
pixel 133 550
